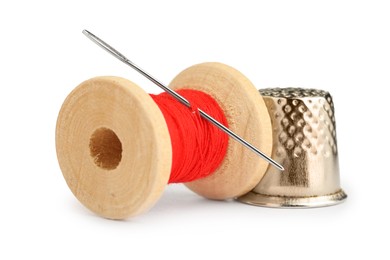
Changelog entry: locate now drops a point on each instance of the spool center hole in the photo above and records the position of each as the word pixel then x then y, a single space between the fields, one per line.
pixel 105 148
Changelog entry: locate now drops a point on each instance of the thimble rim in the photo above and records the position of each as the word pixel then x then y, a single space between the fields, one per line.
pixel 263 200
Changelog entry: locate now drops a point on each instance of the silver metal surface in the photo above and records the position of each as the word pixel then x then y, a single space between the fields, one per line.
pixel 262 200
pixel 304 136
pixel 181 99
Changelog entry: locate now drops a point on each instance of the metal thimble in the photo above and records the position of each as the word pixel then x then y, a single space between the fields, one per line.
pixel 304 142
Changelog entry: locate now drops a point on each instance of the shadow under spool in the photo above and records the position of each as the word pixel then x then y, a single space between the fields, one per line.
pixel 115 119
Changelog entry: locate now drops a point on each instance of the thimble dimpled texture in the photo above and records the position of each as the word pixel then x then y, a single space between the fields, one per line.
pixel 304 143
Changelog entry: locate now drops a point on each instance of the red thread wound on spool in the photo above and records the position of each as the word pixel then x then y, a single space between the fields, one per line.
pixel 198 147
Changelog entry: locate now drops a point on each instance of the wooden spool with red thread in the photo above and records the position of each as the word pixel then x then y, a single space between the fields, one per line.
pixel 114 113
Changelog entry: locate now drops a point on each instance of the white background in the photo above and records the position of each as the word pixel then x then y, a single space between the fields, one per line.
pixel 339 46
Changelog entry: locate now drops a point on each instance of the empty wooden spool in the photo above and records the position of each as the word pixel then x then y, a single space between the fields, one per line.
pixel 114 149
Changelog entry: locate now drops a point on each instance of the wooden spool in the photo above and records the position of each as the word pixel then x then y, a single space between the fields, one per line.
pixel 114 148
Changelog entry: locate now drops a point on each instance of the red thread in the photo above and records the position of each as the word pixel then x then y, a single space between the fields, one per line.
pixel 198 147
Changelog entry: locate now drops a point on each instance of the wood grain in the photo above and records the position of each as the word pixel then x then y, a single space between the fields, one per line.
pixel 115 180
